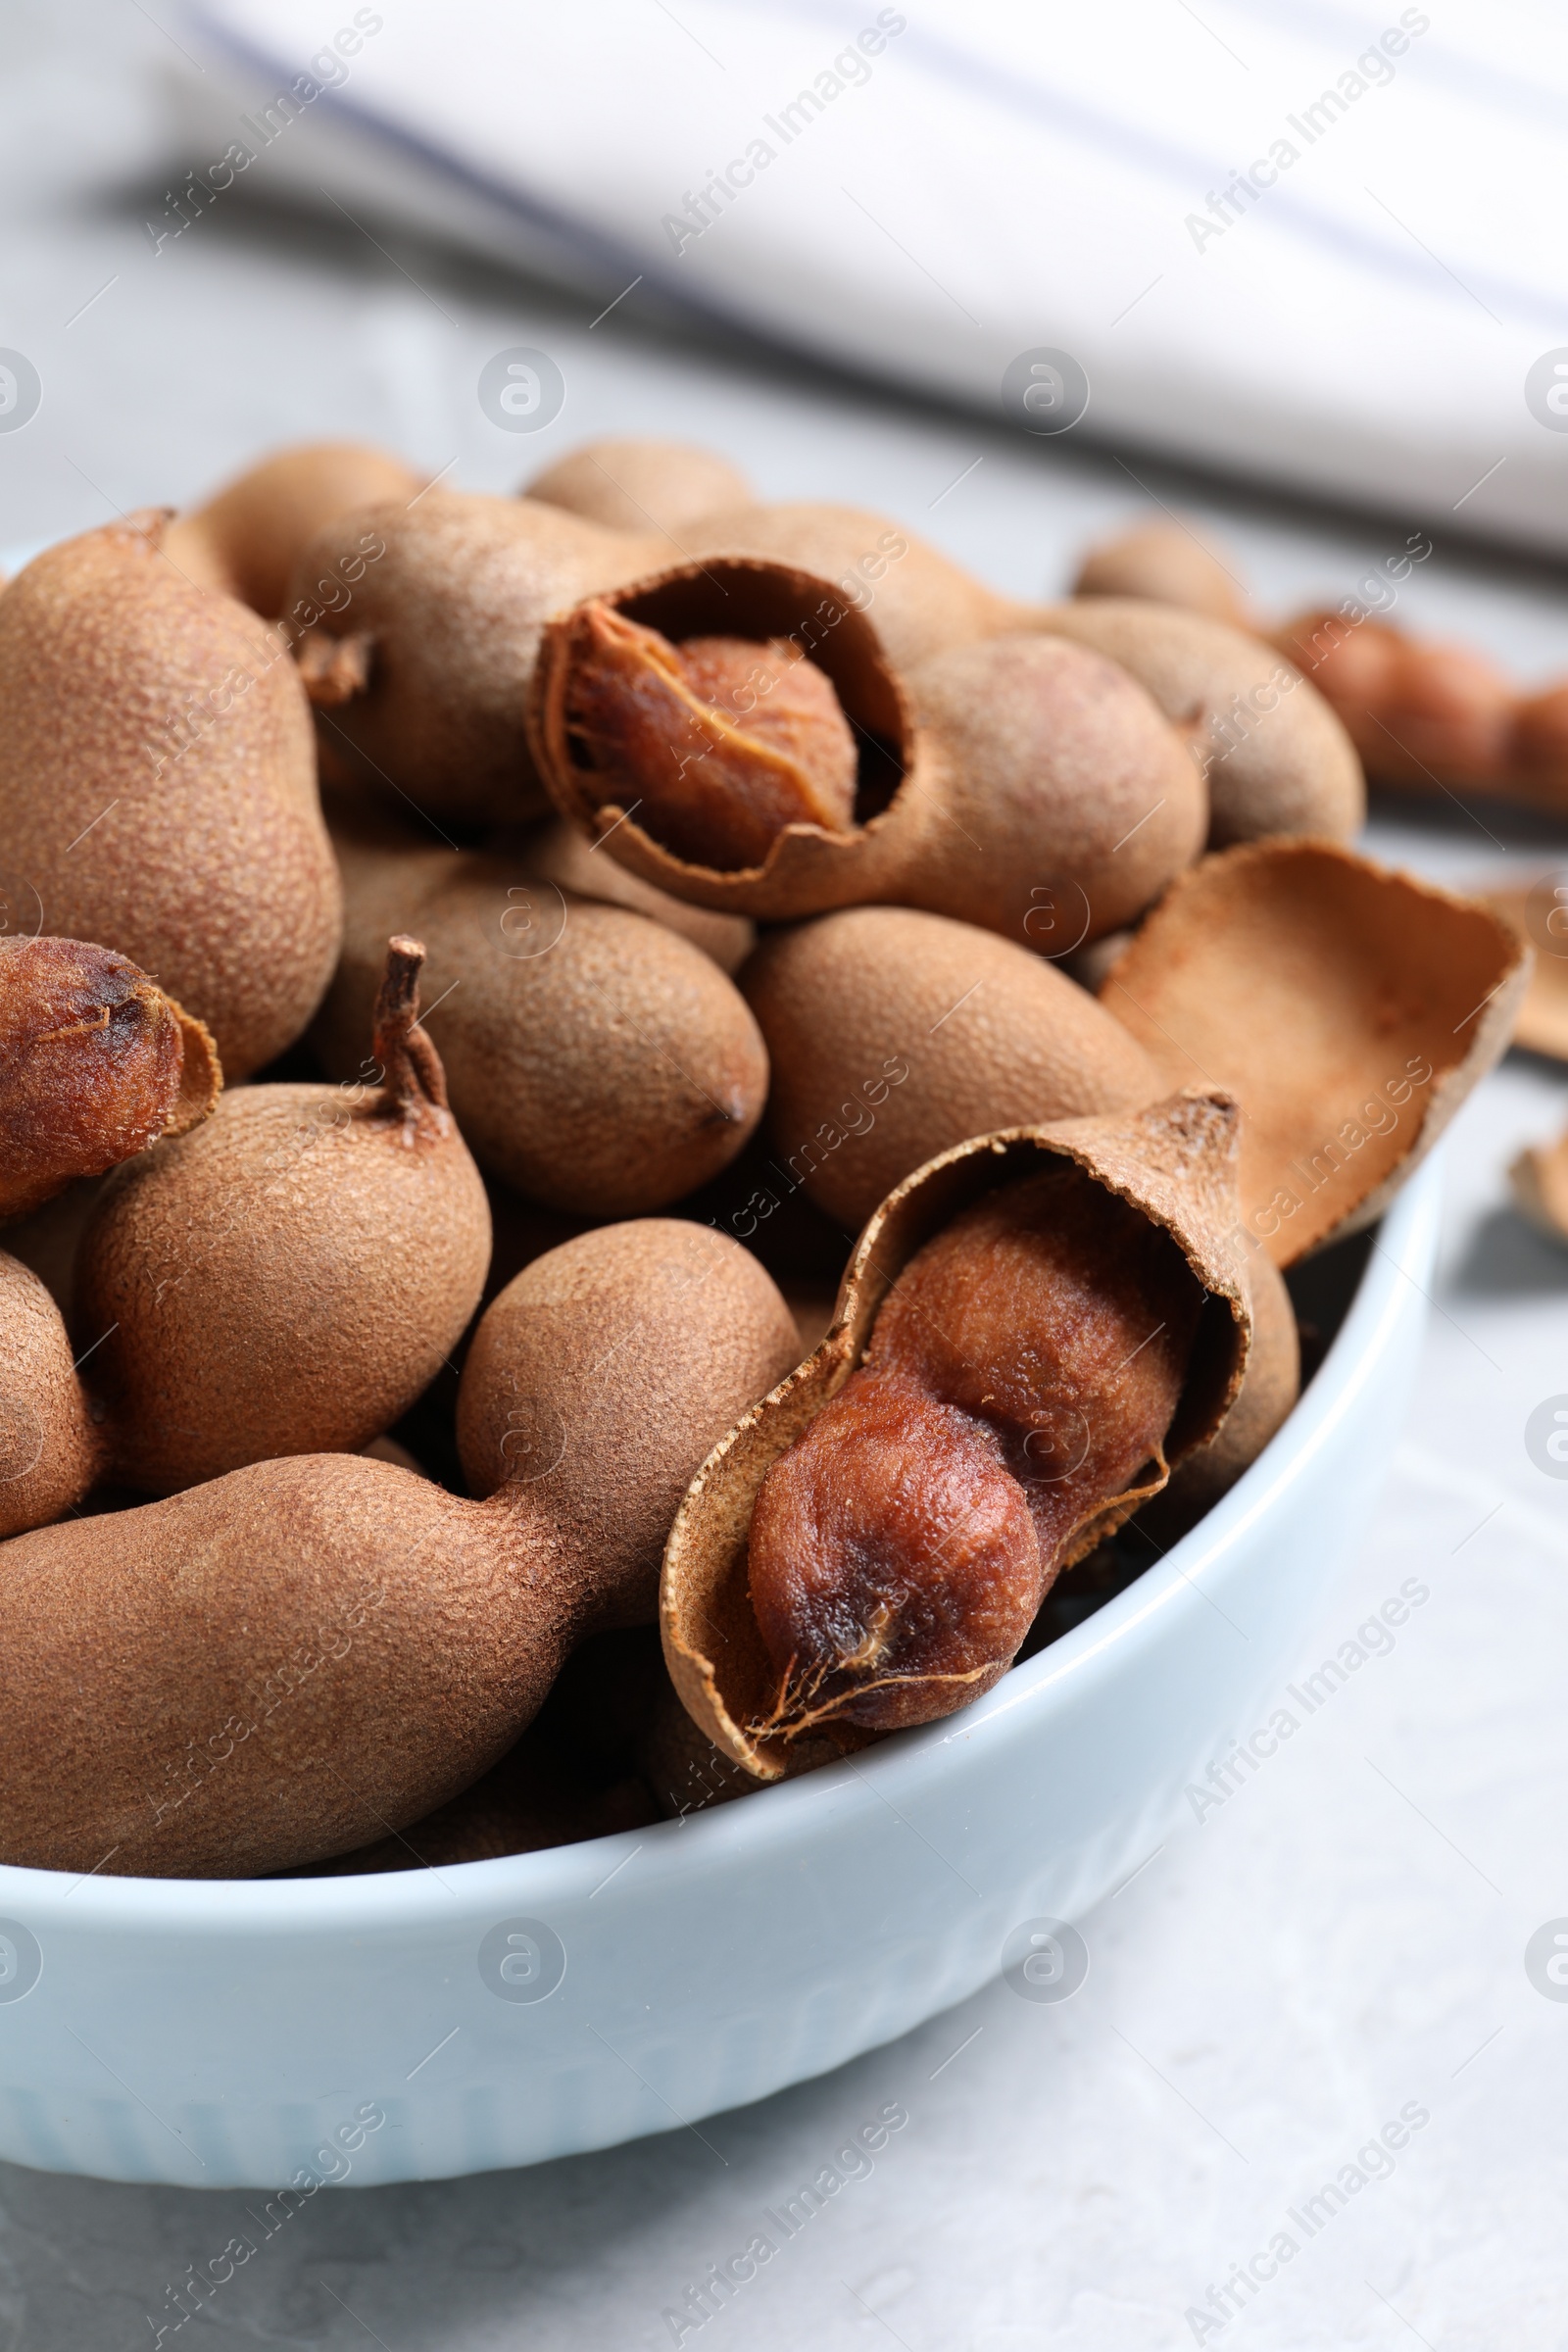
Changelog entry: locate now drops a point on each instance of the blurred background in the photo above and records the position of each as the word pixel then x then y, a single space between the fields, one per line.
pixel 1296 274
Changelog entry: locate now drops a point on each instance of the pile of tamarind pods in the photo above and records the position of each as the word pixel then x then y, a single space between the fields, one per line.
pixel 882 1043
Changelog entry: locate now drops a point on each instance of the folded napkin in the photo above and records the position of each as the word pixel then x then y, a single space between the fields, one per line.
pixel 1321 247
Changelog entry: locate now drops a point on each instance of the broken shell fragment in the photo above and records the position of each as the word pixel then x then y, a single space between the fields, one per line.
pixel 95 1064
pixel 1538 1179
pixel 989 774
pixel 1171 1167
pixel 1540 917
pixel 1350 1009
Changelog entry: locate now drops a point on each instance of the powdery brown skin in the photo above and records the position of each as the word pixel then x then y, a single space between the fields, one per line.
pixel 95 1063
pixel 723 741
pixel 289 1661
pixel 1166 564
pixel 49 1452
pixel 286 1280
pixel 557 853
pixel 596 1060
pixel 1276 757
pixel 246 541
pixel 894 1033
pixel 640 486
pixel 291 1277
pixel 446 624
pixel 723 1332
pixel 158 786
pixel 1020 1376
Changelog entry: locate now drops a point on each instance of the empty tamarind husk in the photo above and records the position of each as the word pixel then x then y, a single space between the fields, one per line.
pixel 1538 1180
pixel 1350 1010
pixel 735 733
pixel 96 1062
pixel 1540 917
pixel 1173 1166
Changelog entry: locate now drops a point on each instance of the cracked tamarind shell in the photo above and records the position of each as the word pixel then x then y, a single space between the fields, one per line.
pixel 923 602
pixel 894 1034
pixel 596 1060
pixel 95 1064
pixel 289 1661
pixel 158 785
pixel 1276 757
pixel 246 540
pixel 1349 1008
pixel 1172 1161
pixel 989 774
pixel 289 1277
pixel 1270 1387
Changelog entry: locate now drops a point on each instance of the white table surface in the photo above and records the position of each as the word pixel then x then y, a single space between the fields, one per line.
pixel 1346 1933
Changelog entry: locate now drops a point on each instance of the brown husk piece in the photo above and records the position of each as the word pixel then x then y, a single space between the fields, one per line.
pixel 1175 1161
pixel 1538 1179
pixel 1542 1026
pixel 1315 985
pixel 1269 1390
pixel 993 769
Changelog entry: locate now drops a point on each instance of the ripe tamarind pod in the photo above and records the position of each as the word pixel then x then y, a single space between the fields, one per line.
pixel 1349 1009
pixel 291 1276
pixel 595 1060
pixel 158 785
pixel 1033 1329
pixel 557 853
pixel 423 668
pixel 892 1035
pixel 293 1659
pixel 49 1452
pixel 1276 757
pixel 95 1063
pixel 641 486
pixel 1166 564
pixel 246 540
pixel 987 773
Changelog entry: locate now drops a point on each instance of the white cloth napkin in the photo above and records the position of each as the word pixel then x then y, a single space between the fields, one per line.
pixel 1321 246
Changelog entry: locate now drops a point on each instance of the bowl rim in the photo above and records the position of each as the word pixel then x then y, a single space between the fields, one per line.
pixel 792 1813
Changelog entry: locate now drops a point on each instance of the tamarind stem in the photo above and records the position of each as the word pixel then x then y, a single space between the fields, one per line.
pixel 416 1084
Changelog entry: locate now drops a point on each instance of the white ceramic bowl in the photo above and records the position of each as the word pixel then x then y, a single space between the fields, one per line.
pixel 379 2029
